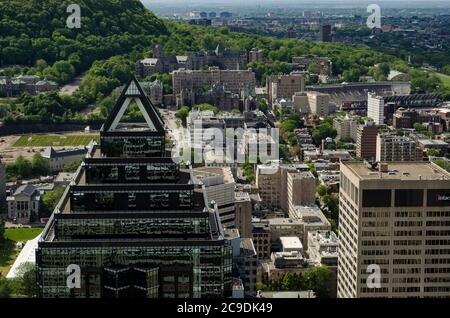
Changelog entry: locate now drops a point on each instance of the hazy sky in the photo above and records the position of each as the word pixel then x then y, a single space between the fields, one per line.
pixel 299 3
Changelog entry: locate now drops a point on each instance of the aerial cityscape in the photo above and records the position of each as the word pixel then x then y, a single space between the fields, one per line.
pixel 247 152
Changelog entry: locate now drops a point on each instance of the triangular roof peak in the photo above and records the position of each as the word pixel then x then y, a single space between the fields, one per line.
pixel 134 92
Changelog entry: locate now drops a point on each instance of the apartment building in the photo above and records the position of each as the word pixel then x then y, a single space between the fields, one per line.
pixel 346 127
pixel 394 223
pixel 319 103
pixel 284 86
pixel 284 186
pixel 301 189
pixel 397 148
pixel 375 108
pixel 366 140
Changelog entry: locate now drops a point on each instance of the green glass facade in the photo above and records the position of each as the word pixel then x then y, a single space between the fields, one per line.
pixel 134 224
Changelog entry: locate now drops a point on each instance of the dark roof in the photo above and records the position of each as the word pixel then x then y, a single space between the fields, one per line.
pixel 52 153
pixel 27 189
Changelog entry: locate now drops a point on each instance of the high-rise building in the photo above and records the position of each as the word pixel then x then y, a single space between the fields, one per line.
pixel 219 186
pixel 397 148
pixel 285 186
pixel 326 33
pixel 366 140
pixel 346 127
pixel 243 214
pixel 133 222
pixel 375 108
pixel 3 208
pixel 319 103
pixel 394 230
pixel 284 86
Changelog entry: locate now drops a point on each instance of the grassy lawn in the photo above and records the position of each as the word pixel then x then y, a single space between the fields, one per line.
pixel 22 234
pixel 55 140
pixel 8 251
pixel 445 79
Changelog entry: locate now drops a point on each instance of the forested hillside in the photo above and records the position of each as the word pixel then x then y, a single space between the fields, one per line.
pixel 34 34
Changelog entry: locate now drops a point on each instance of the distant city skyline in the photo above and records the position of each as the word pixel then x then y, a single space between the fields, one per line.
pixel 299 3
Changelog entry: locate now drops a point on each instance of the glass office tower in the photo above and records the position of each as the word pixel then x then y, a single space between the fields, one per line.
pixel 133 222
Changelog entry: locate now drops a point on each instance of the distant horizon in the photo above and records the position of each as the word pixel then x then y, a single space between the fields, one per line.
pixel 233 5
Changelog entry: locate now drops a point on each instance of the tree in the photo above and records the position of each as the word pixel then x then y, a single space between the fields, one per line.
pixel 317 279
pixel 73 166
pixel 292 281
pixel 27 279
pixel 433 153
pixel 24 167
pixel 182 114
pixel 49 201
pixel 324 131
pixel 40 165
pixel 249 171
pixel 322 190
pixel 206 106
pixel 5 288
pixel 262 105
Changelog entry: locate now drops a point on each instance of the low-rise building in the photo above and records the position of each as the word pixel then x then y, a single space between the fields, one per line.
pixel 323 248
pixel 23 204
pixel 313 220
pixel 322 65
pixel 57 159
pixel 331 155
pixel 256 55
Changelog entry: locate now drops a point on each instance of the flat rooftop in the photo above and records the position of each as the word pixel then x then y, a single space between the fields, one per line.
pixel 399 171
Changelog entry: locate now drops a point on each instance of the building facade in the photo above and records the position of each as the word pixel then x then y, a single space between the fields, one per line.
pixel 319 103
pixel 284 86
pixel 134 223
pixel 255 55
pixel 346 128
pixel 394 221
pixel 391 148
pixel 366 140
pixel 188 84
pixel 57 159
pixel 375 108
pixel 23 204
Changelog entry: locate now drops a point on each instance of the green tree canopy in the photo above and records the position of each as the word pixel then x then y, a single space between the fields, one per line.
pixel 317 279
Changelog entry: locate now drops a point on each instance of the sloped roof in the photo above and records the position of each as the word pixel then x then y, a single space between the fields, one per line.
pixel 26 189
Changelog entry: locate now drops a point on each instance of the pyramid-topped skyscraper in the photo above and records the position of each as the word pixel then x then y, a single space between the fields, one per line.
pixel 132 221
